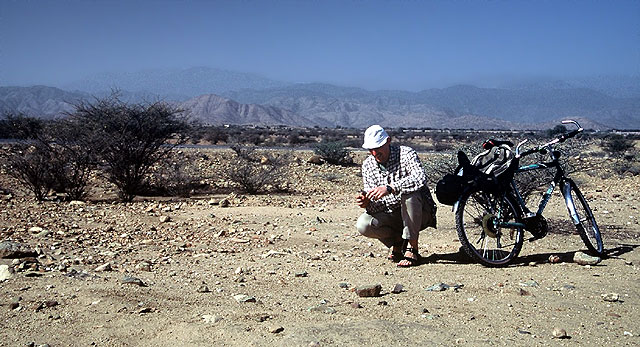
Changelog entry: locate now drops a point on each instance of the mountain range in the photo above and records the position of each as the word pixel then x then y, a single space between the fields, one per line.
pixel 215 97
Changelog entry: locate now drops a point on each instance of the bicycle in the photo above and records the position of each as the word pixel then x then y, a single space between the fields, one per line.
pixel 491 214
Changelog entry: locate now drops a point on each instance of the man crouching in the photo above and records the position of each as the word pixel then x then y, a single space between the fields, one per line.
pixel 396 197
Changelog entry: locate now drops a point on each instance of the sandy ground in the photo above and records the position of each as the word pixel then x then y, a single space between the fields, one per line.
pixel 282 270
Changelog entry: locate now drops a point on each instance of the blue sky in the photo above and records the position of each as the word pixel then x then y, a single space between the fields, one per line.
pixel 408 45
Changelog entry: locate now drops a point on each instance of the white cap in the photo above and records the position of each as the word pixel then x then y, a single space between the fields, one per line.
pixel 374 137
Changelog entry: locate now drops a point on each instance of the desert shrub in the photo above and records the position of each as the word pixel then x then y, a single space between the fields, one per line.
pixel 19 126
pixel 617 145
pixel 256 172
pixel 333 152
pixel 51 156
pixel 130 138
pixel 30 165
pixel 174 176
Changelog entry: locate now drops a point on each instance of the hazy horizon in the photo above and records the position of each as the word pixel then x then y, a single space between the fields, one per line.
pixel 369 44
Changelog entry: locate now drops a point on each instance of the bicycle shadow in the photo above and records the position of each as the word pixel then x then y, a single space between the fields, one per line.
pixel 461 257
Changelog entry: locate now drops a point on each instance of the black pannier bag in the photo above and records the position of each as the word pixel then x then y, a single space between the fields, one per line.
pixel 484 170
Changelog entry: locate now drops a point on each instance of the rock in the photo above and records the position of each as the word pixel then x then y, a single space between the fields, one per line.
pixel 144 266
pixel 559 333
pixel 45 304
pixel 264 160
pixel 133 280
pixel 397 289
pixel 529 283
pixel 554 259
pixel 12 249
pixel 241 298
pixel 611 297
pixel 585 259
pixel 276 330
pixel 203 289
pixel 315 159
pixel 301 274
pixel 103 267
pixel 36 230
pixel 322 308
pixel 343 285
pixel 5 273
pixel 15 303
pixel 224 203
pixel 209 318
pixel 356 305
pixel 164 219
pixel 443 286
pixel 369 290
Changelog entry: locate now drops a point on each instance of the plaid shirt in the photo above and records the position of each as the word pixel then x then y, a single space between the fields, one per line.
pixel 403 172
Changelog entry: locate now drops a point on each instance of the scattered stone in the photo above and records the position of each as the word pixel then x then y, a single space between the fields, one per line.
pixel 559 333
pixel 36 230
pixel 553 259
pixel 523 292
pixel 273 253
pixel 224 203
pixel 322 308
pixel 369 290
pixel 15 303
pixel 382 303
pixel 443 286
pixel 397 289
pixel 209 318
pixel 133 280
pixel 614 315
pixel 315 159
pixel 356 305
pixel 611 297
pixel 242 298
pixel 5 273
pixel 12 249
pixel 103 267
pixel 343 285
pixel 585 259
pixel 529 283
pixel 164 219
pixel 203 289
pixel 627 333
pixel 301 274
pixel 276 330
pixel 46 304
pixel 144 266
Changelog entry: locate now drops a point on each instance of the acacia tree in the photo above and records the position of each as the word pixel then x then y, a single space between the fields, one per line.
pixel 130 138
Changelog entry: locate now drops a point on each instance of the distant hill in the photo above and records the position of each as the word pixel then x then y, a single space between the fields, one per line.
pixel 215 110
pixel 173 84
pixel 228 98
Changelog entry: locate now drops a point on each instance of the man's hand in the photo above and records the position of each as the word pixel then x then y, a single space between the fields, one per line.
pixel 377 193
pixel 362 200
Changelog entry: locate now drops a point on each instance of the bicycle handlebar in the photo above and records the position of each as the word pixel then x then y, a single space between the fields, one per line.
pixel 558 139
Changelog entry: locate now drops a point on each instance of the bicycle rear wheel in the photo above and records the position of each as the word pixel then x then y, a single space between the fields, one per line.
pixel 584 221
pixel 489 227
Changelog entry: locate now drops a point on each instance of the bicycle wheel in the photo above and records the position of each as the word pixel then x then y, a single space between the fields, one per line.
pixel 583 219
pixel 489 227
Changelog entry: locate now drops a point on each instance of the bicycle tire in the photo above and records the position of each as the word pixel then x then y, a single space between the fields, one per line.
pixel 480 223
pixel 584 220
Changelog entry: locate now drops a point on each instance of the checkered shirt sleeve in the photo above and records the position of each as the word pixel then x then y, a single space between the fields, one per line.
pixel 403 172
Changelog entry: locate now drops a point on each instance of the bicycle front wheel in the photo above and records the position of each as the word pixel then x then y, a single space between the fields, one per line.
pixel 489 227
pixel 584 221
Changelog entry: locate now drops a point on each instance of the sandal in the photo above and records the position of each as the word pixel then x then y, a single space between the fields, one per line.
pixel 411 261
pixel 395 256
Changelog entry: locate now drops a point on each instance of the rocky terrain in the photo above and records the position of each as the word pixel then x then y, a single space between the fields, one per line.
pixel 291 270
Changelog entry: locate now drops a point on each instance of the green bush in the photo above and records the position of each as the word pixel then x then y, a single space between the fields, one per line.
pixel 333 152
